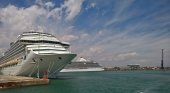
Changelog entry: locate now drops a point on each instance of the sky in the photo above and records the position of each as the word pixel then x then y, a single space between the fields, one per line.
pixel 110 32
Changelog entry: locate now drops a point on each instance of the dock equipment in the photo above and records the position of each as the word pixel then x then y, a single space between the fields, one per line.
pixel 20 81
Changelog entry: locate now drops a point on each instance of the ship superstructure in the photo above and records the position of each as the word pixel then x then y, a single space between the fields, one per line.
pixel 34 53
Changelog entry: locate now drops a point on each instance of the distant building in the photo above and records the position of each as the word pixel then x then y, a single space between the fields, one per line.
pixel 134 66
pixel 112 68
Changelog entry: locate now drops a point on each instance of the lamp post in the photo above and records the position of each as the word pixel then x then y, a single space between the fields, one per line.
pixel 162 61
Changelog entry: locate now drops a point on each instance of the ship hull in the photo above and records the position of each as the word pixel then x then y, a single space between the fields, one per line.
pixel 36 65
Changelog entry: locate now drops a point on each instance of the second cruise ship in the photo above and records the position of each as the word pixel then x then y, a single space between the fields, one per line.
pixel 82 65
pixel 35 53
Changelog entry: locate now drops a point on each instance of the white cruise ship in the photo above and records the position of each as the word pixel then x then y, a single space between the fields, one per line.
pixel 82 65
pixel 35 53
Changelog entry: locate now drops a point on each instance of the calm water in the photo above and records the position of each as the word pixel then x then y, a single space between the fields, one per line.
pixel 104 82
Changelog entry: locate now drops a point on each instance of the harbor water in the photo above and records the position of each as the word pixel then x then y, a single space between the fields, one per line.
pixel 103 82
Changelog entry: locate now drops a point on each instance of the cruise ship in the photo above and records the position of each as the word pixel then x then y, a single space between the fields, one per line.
pixel 35 53
pixel 82 65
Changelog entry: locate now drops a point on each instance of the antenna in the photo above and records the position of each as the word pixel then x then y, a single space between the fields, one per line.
pixel 162 61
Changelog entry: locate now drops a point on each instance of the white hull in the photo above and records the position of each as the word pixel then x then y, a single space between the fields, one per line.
pixel 35 63
pixel 82 70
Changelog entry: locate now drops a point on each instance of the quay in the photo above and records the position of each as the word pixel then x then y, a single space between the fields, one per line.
pixel 20 81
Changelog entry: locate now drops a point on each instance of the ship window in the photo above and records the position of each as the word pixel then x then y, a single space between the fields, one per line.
pixel 44 41
pixel 47 49
pixel 24 57
pixel 33 60
pixel 59 58
pixel 41 59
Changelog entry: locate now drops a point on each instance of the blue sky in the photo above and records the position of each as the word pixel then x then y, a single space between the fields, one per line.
pixel 111 32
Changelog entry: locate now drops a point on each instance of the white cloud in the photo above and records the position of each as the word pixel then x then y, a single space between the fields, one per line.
pixel 69 38
pixel 95 50
pixel 125 56
pixel 120 11
pixel 39 2
pixel 84 36
pixel 69 10
pixel 73 8
pixel 49 5
pixel 55 13
pixel 19 18
pixel 91 5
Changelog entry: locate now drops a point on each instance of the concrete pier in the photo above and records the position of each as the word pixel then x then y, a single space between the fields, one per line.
pixel 19 81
